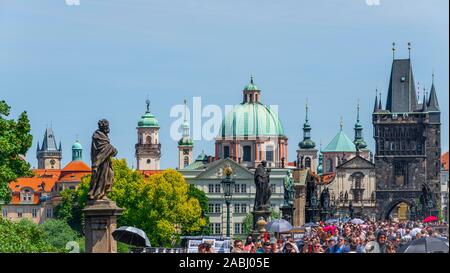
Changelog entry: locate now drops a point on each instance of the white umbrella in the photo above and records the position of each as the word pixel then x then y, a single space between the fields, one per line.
pixel 357 221
pixel 414 231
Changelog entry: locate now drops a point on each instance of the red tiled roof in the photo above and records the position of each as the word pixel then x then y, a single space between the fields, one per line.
pixel 77 166
pixel 444 161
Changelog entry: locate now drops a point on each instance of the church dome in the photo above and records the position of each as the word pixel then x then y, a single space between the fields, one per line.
pixel 251 119
pixel 307 144
pixel 77 146
pixel 148 120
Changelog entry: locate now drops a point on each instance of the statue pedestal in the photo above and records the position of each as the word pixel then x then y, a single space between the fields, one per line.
pixel 287 213
pixel 100 222
pixel 256 216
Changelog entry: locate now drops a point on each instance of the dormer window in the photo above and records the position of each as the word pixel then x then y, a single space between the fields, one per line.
pixel 27 195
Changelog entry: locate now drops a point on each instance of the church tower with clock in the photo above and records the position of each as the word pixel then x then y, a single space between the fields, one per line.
pixel 49 154
pixel 148 148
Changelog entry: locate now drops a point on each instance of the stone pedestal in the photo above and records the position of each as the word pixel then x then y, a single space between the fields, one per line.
pixel 256 216
pixel 287 213
pixel 100 222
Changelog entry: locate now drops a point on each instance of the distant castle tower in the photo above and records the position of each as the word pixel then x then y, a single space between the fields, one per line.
pixel 185 145
pixel 307 154
pixel 148 148
pixel 49 155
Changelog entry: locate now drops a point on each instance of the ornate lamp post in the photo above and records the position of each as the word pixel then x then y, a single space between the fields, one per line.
pixel 314 206
pixel 228 187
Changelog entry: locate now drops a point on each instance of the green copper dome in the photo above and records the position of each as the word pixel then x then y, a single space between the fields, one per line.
pixel 307 144
pixel 77 146
pixel 251 87
pixel 148 120
pixel 251 119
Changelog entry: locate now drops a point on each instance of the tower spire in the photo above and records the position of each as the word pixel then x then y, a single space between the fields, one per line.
pixel 359 139
pixel 393 50
pixel 185 110
pixel 307 142
pixel 148 105
pixel 380 106
pixel 306 109
pixel 357 111
pixel 409 50
pixel 341 124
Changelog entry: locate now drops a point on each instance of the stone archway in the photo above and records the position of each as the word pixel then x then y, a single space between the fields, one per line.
pixel 392 205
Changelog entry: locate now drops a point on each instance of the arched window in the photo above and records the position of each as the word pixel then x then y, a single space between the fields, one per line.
pixel 307 162
pixel 148 140
pixel 330 166
pixel 186 161
pixel 247 153
pixel 27 195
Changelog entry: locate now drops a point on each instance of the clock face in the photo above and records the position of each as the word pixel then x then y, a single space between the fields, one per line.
pixel 52 162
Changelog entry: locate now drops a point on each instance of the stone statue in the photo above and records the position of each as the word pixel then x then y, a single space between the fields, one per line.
pixel 102 171
pixel 289 189
pixel 426 198
pixel 351 210
pixel 325 199
pixel 263 191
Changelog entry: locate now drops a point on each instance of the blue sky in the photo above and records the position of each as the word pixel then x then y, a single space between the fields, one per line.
pixel 69 66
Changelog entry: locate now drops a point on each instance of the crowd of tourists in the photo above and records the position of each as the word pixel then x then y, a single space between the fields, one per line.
pixel 367 237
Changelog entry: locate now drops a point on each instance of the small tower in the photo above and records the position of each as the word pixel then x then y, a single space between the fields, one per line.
pixel 77 151
pixel 49 155
pixel 148 148
pixel 185 144
pixel 359 139
pixel 307 154
pixel 251 92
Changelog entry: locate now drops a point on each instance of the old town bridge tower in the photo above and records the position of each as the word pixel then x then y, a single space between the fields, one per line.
pixel 407 140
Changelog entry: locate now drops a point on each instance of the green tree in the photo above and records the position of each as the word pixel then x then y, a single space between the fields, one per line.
pixel 200 195
pixel 15 140
pixel 160 205
pixel 23 237
pixel 58 233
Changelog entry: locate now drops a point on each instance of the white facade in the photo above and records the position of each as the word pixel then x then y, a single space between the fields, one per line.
pixel 208 180
pixel 148 149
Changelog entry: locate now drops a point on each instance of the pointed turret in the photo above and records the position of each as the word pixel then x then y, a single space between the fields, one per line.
pixel 433 104
pixel 48 154
pixel 424 102
pixel 359 139
pixel 380 106
pixel 375 107
pixel 307 142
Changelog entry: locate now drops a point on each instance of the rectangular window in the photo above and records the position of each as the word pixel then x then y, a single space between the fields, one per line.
pixel 237 208
pixel 211 208
pixel 211 228
pixel 269 154
pixel 34 213
pixel 217 228
pixel 243 208
pixel 49 213
pixel 273 188
pixel 5 213
pixel 226 151
pixel 217 188
pixel 238 228
pixel 243 188
pixel 237 188
pixel 210 188
pixel 217 208
pixel 19 213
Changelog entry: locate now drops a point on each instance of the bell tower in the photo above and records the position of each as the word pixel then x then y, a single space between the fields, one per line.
pixel 185 144
pixel 148 148
pixel 49 155
pixel 307 153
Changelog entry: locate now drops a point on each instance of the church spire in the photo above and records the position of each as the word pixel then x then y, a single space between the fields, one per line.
pixel 307 142
pixel 359 139
pixel 375 107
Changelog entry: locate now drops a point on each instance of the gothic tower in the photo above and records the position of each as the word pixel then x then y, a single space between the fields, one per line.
pixel 148 148
pixel 185 144
pixel 407 141
pixel 49 155
pixel 307 154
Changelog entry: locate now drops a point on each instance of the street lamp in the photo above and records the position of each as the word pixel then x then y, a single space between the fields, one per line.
pixel 228 186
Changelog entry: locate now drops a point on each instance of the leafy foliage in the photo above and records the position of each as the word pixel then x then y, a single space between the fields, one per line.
pixel 15 140
pixel 23 237
pixel 58 233
pixel 200 195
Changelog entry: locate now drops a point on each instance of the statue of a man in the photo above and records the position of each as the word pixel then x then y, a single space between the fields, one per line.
pixel 102 171
pixel 263 191
pixel 325 198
